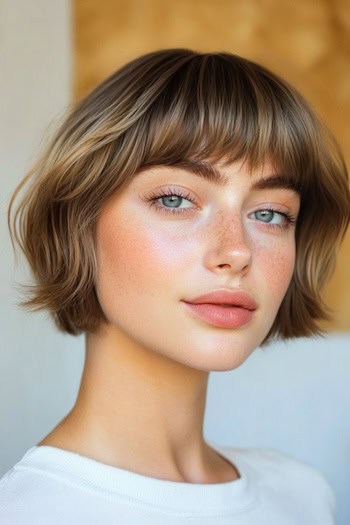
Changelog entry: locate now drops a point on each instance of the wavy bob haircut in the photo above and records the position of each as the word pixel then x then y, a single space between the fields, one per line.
pixel 171 107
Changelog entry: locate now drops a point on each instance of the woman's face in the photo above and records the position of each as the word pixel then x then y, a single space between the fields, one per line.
pixel 171 235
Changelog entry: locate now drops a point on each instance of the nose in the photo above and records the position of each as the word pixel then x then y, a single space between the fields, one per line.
pixel 229 251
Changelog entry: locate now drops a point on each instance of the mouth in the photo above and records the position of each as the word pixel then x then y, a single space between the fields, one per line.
pixel 221 315
pixel 226 305
pixel 224 297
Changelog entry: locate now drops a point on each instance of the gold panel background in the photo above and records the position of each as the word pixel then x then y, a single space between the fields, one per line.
pixel 305 41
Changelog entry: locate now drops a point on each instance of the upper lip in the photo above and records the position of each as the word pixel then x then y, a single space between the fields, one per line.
pixel 235 298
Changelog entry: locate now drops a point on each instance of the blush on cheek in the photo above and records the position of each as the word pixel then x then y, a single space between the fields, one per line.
pixel 279 275
pixel 134 261
pixel 278 268
pixel 122 258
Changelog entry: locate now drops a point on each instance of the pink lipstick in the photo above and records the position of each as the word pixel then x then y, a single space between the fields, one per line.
pixel 223 308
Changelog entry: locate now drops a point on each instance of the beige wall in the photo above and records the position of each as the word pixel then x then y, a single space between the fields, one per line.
pixel 305 41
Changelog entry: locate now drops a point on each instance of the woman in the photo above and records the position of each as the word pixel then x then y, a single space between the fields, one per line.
pixel 187 211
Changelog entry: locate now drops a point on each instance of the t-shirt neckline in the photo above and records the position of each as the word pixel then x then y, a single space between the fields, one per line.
pixel 179 498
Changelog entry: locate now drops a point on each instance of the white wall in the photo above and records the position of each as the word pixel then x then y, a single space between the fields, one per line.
pixel 39 367
pixel 294 397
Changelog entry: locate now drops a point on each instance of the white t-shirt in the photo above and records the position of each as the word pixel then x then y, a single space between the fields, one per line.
pixel 51 486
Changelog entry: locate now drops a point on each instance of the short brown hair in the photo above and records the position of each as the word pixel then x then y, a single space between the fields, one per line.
pixel 164 108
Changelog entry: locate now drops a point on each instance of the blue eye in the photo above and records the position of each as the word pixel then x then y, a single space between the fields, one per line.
pixel 266 215
pixel 274 218
pixel 170 201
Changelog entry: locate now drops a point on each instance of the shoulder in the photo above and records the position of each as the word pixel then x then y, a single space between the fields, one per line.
pixel 268 463
pixel 26 490
pixel 273 471
pixel 273 460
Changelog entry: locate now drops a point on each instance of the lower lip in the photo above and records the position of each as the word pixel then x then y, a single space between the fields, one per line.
pixel 222 316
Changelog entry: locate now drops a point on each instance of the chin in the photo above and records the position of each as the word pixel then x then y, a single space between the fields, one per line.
pixel 220 358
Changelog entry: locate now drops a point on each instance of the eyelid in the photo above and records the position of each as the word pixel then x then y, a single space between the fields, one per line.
pixel 287 207
pixel 288 218
pixel 185 194
pixel 155 195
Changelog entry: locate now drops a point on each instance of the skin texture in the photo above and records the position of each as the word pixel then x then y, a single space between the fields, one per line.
pixel 141 402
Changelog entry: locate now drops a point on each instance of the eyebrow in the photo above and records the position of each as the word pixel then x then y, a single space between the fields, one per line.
pixel 209 172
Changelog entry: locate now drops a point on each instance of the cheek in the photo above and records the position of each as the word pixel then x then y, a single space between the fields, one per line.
pixel 135 258
pixel 276 266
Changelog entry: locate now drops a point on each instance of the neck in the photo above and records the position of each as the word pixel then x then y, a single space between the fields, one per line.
pixel 141 411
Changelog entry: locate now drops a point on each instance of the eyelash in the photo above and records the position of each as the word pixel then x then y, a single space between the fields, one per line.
pixel 165 193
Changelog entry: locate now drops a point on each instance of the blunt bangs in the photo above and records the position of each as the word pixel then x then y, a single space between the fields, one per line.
pixel 214 109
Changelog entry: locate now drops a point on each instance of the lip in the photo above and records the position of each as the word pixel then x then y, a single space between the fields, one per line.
pixel 234 298
pixel 209 308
